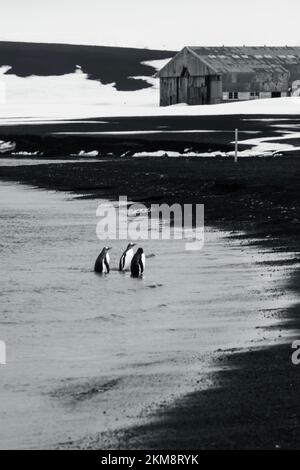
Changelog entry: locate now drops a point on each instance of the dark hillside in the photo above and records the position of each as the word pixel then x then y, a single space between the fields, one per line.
pixel 108 64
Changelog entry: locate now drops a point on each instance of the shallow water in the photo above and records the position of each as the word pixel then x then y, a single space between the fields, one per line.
pixel 87 353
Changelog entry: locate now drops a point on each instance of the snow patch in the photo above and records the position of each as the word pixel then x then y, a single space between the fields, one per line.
pixel 7 146
pixel 27 154
pixel 83 153
pixel 265 145
pixel 27 96
pixel 157 64
pixel 163 153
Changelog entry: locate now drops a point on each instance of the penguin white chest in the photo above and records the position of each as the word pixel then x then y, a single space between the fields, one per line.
pixel 105 263
pixel 128 258
pixel 143 259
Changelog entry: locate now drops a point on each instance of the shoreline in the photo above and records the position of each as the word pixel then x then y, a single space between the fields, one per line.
pixel 250 404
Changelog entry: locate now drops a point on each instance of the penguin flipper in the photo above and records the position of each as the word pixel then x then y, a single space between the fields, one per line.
pixel 122 263
pixel 134 269
pixel 98 267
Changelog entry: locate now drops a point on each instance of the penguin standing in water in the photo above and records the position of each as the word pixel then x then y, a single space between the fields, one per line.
pixel 102 262
pixel 126 258
pixel 137 266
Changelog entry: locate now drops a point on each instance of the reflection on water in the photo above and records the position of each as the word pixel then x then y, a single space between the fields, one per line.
pixel 87 353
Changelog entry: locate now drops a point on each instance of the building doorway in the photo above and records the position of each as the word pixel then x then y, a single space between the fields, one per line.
pixel 183 86
pixel 276 94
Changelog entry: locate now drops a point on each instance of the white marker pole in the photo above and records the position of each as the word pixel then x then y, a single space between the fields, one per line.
pixel 236 146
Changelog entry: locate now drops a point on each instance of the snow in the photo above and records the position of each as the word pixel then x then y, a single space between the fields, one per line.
pixel 159 153
pixel 75 96
pixel 71 95
pixel 255 152
pixel 163 153
pixel 265 145
pixel 70 89
pixel 113 103
pixel 157 64
pixel 7 146
pixel 67 96
pixel 26 154
pixel 92 153
pixel 261 147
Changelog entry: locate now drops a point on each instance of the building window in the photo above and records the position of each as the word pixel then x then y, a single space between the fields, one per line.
pixel 233 95
pixel 254 95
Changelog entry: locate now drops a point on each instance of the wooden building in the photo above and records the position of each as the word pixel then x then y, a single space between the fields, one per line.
pixel 210 75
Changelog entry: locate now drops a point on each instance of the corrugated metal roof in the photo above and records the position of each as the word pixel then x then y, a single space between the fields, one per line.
pixel 248 59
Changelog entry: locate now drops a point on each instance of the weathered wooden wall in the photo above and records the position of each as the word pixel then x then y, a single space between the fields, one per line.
pixel 195 80
pixel 185 79
pixel 190 90
pixel 185 59
pixel 216 87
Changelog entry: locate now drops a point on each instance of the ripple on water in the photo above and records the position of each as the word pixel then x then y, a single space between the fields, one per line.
pixel 75 393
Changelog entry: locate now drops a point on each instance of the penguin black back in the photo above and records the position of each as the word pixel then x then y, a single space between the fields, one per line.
pixel 102 262
pixel 138 263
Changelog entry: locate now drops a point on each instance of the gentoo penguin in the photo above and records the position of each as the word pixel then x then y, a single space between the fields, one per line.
pixel 138 263
pixel 126 258
pixel 102 262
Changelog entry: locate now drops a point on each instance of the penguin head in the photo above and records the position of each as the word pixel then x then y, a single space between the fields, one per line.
pixel 140 251
pixel 106 249
pixel 130 245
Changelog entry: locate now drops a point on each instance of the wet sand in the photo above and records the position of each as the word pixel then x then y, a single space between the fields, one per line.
pixel 256 401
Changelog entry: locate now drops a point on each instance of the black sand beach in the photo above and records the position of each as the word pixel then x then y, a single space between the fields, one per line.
pixel 256 402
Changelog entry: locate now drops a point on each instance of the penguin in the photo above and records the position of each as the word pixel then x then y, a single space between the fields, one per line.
pixel 102 262
pixel 137 266
pixel 126 258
